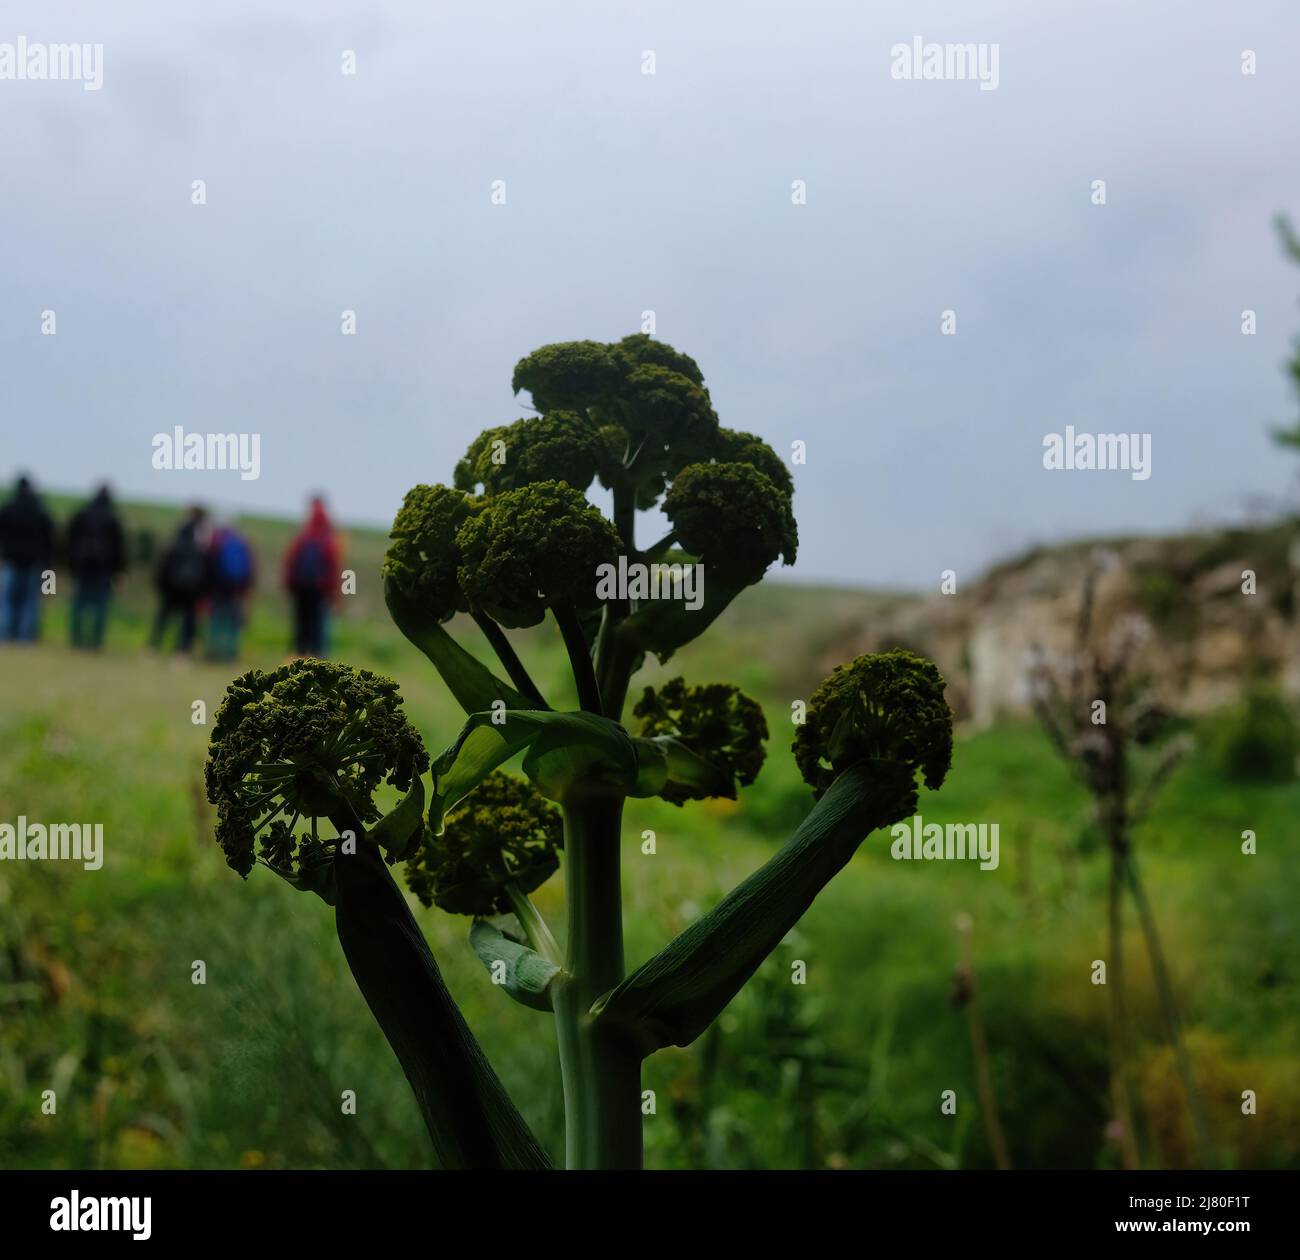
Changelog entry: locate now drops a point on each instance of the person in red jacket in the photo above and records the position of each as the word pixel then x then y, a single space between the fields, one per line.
pixel 312 571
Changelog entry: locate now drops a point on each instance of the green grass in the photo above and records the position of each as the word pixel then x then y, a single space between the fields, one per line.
pixel 149 1069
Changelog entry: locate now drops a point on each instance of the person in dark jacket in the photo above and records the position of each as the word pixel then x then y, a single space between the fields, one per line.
pixel 311 576
pixel 96 556
pixel 26 551
pixel 230 577
pixel 181 579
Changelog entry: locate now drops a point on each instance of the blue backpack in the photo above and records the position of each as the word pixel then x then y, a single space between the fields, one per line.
pixel 234 561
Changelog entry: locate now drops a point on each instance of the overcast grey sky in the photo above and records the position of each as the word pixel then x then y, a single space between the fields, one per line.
pixel 671 192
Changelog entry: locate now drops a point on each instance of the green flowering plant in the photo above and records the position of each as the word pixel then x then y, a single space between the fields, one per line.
pixel 515 548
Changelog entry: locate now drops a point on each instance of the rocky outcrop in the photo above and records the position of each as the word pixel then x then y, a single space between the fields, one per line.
pixel 1219 611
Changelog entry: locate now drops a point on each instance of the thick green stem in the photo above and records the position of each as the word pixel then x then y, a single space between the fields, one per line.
pixel 601 1069
pixel 1165 988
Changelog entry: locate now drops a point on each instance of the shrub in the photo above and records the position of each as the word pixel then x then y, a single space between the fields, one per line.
pixel 1257 739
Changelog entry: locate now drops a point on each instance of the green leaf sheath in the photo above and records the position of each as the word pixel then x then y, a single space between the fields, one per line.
pixel 469 1115
pixel 563 748
pixel 664 625
pixel 468 679
pixel 601 1067
pixel 679 992
pixel 395 832
pixel 664 760
pixel 527 975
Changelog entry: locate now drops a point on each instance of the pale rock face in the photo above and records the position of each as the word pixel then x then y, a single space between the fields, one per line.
pixel 1206 637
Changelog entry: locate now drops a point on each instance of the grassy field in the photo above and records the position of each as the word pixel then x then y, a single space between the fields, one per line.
pixel 149 1069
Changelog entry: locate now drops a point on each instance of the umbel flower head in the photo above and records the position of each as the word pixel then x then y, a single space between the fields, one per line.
pixel 885 706
pixel 422 556
pixel 718 723
pixel 531 548
pixel 733 517
pixel 559 446
pixel 569 375
pixel 731 446
pixel 667 409
pixel 310 740
pixel 644 401
pixel 505 834
pixel 642 350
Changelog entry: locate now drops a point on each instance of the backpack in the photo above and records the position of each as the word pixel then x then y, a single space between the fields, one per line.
pixel 186 567
pixel 234 563
pixel 310 566
pixel 93 549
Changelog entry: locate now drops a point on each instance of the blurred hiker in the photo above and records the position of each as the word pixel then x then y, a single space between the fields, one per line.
pixel 181 578
pixel 26 550
pixel 230 578
pixel 96 556
pixel 311 576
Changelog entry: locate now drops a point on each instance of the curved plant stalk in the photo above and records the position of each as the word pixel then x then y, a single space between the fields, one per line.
pixel 675 996
pixel 465 1107
pixel 474 686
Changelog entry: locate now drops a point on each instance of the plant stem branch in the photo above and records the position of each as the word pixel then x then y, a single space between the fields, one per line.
pixel 605 637
pixel 625 514
pixel 613 665
pixel 658 550
pixel 509 658
pixel 584 673
pixel 616 675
